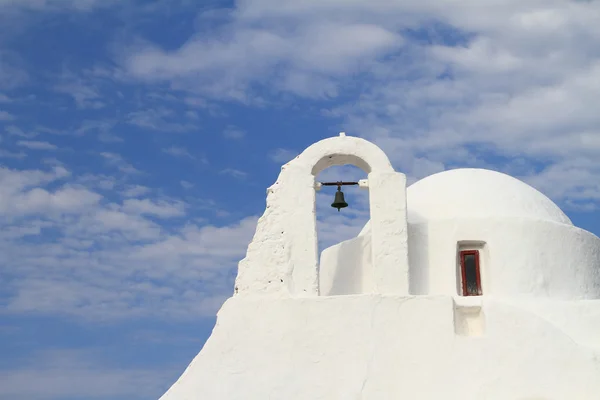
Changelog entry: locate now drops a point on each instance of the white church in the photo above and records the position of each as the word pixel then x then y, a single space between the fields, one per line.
pixel 469 285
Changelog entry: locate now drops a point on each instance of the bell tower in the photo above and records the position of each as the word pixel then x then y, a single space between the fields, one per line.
pixel 283 255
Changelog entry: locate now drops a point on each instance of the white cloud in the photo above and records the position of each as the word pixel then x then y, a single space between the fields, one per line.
pixel 282 155
pixel 100 259
pixel 103 128
pixel 205 242
pixel 6 116
pixel 40 201
pixel 235 173
pixel 36 145
pixel 65 373
pixel 9 154
pixel 232 132
pixel 84 93
pixel 14 180
pixel 149 207
pixel 302 58
pixel 52 5
pixel 104 274
pixel 115 223
pixel 135 191
pixel 16 131
pixel 437 84
pixel 177 151
pixel 159 119
pixel 21 194
pixel 119 162
pixel 512 80
pixel 186 184
pixel 12 73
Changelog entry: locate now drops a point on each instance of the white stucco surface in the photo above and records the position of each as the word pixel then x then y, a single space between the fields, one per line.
pixel 354 274
pixel 520 257
pixel 386 347
pixel 480 193
pixel 282 259
pixel 383 317
pixel 477 193
pixel 529 247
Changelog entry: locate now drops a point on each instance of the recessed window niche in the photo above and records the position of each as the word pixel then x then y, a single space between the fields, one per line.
pixel 471 257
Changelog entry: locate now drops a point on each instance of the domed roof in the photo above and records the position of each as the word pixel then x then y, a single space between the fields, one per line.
pixel 477 193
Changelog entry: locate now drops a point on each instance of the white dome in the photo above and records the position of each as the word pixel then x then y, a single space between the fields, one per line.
pixel 478 193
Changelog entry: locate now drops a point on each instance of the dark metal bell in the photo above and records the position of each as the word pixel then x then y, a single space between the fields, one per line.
pixel 339 201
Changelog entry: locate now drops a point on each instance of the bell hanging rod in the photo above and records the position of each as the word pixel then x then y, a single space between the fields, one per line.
pixel 338 183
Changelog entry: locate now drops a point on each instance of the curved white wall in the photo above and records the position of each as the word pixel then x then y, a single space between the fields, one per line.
pixel 478 193
pixel 347 268
pixel 519 257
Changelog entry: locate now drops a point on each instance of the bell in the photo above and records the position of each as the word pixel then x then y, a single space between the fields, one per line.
pixel 339 201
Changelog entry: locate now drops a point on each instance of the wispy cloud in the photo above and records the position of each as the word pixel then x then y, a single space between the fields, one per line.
pixel 83 5
pixel 12 73
pixel 36 145
pixel 135 191
pixel 177 151
pixel 186 184
pixel 281 156
pixel 67 373
pixel 6 116
pixel 104 129
pixel 161 209
pixel 460 92
pixel 120 243
pixel 236 173
pixel 232 132
pixel 10 154
pixel 16 131
pixel 83 93
pixel 426 95
pixel 160 119
pixel 87 236
pixel 230 63
pixel 119 162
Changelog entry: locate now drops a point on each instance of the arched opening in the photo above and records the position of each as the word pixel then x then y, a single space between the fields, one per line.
pixel 284 252
pixel 344 261
pixel 338 159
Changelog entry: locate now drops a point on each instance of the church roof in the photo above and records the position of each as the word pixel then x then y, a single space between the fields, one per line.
pixel 477 193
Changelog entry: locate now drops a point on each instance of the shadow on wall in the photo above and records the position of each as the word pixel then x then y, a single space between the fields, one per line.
pixel 418 258
pixel 346 268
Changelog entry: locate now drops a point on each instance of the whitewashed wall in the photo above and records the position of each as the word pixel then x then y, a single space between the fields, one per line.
pixel 529 337
pixel 528 246
pixel 282 259
pixel 521 257
pixel 373 347
pixel 347 268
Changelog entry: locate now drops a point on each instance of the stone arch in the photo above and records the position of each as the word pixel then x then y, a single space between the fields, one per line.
pixel 344 150
pixel 283 255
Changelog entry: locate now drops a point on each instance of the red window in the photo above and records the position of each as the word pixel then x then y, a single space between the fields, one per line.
pixel 469 267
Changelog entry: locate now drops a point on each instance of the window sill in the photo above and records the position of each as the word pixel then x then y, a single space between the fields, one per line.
pixel 468 301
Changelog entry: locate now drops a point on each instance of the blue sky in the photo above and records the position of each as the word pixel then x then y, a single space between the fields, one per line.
pixel 137 139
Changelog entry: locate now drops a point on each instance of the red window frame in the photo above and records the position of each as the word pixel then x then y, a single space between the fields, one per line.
pixel 464 253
